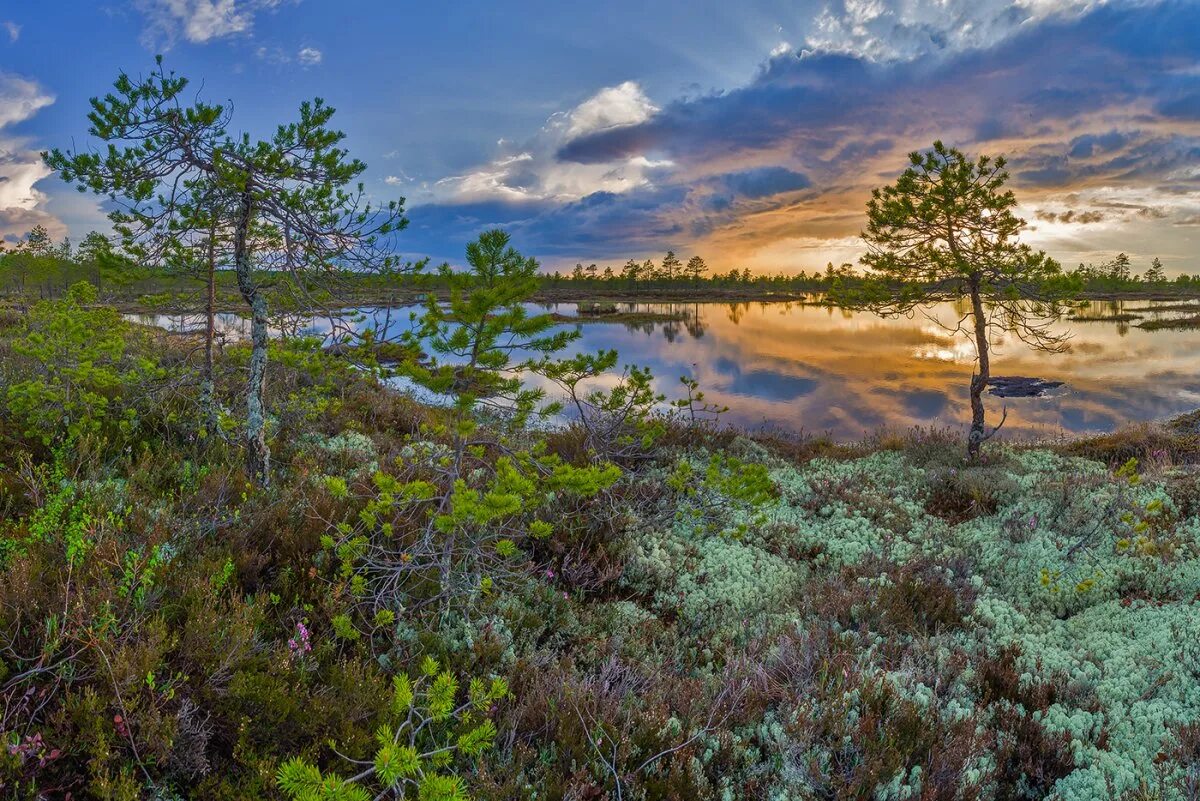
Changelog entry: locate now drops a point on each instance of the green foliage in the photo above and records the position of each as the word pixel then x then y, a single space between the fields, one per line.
pixel 67 516
pixel 303 782
pixel 291 202
pixel 748 482
pixel 693 405
pixel 670 266
pixel 460 536
pixel 300 176
pixel 449 522
pixel 480 331
pixel 79 371
pixel 431 729
pixel 948 222
pixel 945 231
pixel 1154 273
pixel 620 422
pixel 343 628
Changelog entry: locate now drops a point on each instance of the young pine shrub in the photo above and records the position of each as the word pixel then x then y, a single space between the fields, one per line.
pixel 409 539
pixel 455 514
pixel 474 341
pixel 618 424
pixel 432 730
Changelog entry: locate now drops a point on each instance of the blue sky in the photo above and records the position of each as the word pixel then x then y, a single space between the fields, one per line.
pixel 748 132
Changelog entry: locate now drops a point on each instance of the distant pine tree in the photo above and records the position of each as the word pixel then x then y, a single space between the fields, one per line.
pixel 670 265
pixel 1155 274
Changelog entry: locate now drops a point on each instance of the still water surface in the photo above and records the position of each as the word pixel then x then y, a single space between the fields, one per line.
pixel 794 367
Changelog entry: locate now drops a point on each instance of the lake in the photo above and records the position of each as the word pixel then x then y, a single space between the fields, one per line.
pixel 807 368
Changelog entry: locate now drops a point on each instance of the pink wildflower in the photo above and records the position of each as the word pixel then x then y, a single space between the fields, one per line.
pixel 300 643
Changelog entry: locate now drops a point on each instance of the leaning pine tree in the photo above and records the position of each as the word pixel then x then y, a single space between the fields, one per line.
pixel 946 231
pixel 291 203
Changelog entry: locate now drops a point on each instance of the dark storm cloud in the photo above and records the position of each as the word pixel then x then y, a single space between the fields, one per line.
pixel 603 224
pixel 1070 215
pixel 764 181
pixel 1110 59
pixel 1093 144
pixel 1100 98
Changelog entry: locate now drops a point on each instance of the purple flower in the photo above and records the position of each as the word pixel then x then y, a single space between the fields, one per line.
pixel 300 643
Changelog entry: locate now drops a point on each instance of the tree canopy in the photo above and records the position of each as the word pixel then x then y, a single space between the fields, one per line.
pixel 290 202
pixel 947 230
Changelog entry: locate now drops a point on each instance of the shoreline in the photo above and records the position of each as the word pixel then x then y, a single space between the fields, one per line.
pixel 137 303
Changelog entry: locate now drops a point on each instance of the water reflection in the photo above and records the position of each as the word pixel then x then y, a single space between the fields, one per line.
pixel 797 366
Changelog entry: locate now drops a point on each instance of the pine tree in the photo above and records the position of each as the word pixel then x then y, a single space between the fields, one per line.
pixel 292 202
pixel 1118 268
pixel 670 265
pixel 946 231
pixel 1155 274
pixel 630 271
pixel 477 332
pixel 37 242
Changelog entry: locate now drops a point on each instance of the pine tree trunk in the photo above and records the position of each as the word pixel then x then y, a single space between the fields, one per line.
pixel 979 380
pixel 208 389
pixel 258 455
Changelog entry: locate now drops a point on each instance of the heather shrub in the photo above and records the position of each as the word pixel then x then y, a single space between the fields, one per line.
pixel 716 618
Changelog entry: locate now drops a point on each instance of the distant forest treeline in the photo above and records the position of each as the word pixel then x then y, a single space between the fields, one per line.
pixel 36 266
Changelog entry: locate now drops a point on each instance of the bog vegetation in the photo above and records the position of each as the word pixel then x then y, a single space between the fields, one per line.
pixel 462 600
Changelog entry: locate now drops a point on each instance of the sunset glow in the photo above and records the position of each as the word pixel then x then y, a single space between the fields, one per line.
pixel 751 134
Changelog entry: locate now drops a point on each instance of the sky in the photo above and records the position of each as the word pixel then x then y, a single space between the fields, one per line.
pixel 750 133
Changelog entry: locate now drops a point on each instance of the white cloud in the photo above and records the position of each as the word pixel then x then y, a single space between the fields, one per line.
pixel 20 167
pixel 306 57
pixel 12 29
pixel 198 21
pixel 309 56
pixel 534 172
pixel 887 30
pixel 20 99
pixel 613 107
pixel 19 171
pixel 1128 208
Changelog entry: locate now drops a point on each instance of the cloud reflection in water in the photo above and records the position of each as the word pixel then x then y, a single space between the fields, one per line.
pixel 796 367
